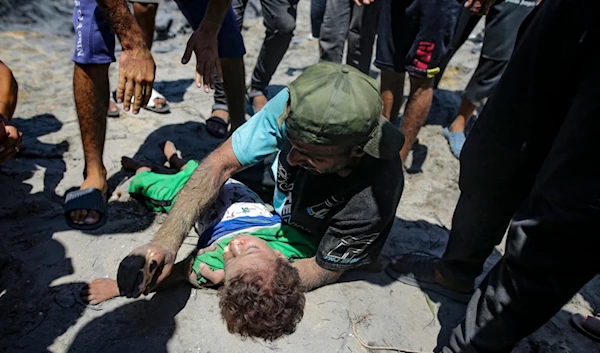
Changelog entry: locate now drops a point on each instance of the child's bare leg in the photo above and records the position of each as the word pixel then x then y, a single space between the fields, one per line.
pixel 131 164
pixel 102 289
pixel 170 152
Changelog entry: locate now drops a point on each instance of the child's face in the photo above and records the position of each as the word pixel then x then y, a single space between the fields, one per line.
pixel 246 252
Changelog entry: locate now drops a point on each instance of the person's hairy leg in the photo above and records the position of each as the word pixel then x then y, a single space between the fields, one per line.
pixel 392 94
pixel 416 111
pixel 313 276
pixel 235 90
pixel 91 91
pixel 145 16
pixel 465 112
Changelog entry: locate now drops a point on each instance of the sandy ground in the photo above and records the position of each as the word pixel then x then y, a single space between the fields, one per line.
pixel 43 264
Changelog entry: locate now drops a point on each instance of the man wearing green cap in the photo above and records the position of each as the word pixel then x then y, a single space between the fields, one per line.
pixel 338 177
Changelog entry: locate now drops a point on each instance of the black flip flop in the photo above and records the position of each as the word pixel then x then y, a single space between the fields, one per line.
pixel 86 199
pixel 219 133
pixel 419 272
pixel 577 320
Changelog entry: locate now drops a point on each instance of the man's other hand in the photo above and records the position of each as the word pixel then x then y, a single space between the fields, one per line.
pixel 136 78
pixel 143 269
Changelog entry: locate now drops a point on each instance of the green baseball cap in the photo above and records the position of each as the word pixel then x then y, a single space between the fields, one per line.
pixel 334 104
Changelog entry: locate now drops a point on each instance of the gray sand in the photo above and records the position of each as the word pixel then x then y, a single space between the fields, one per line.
pixel 43 264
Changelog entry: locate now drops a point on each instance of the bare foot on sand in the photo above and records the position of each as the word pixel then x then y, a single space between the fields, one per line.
pixel 100 290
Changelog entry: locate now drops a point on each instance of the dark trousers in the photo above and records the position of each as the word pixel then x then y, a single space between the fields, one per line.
pixel 317 12
pixel 501 28
pixel 279 18
pixel 532 158
pixel 344 19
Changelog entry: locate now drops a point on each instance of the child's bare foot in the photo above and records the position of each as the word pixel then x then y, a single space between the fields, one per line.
pixel 169 149
pixel 100 290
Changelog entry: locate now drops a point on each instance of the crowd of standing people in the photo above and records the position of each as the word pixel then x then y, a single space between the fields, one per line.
pixel 338 157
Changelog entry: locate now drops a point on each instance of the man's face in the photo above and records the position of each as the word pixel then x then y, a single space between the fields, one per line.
pixel 323 159
pixel 247 252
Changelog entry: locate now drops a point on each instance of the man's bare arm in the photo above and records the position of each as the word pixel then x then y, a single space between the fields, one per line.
pixel 197 195
pixel 150 264
pixel 123 23
pixel 136 66
pixel 313 276
pixel 204 43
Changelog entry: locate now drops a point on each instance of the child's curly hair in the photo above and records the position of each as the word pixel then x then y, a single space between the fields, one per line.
pixel 266 305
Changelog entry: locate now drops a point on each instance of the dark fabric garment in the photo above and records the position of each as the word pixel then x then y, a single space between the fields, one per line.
pixel 343 19
pixel 501 27
pixel 317 12
pixel 352 216
pixel 280 21
pixel 414 35
pixel 484 79
pixel 531 157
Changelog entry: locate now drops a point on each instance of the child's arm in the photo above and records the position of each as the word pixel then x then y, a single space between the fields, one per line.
pixel 213 277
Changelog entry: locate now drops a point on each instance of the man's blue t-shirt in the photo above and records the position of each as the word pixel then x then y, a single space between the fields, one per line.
pixel 352 216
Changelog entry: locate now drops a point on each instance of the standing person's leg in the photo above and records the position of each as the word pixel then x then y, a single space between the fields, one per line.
pixel 94 51
pixel 484 79
pixel 280 20
pixel 396 30
pixel 145 15
pixel 502 25
pixel 556 224
pixel 334 30
pixel 144 12
pixel 231 53
pixel 502 156
pixel 317 13
pixel 361 35
pixel 465 25
pixel 436 25
pixel 220 108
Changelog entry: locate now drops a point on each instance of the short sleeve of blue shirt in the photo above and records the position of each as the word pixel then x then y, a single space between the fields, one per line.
pixel 261 136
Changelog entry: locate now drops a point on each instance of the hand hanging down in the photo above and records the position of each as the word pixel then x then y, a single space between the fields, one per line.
pixel 205 45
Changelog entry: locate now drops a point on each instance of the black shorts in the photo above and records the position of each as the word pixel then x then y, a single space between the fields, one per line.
pixel 414 35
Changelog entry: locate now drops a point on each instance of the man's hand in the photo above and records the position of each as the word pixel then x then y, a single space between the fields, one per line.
pixel 136 78
pixel 12 142
pixel 365 2
pixel 204 44
pixel 479 7
pixel 143 269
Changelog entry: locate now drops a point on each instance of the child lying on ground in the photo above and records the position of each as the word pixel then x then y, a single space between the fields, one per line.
pixel 246 248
